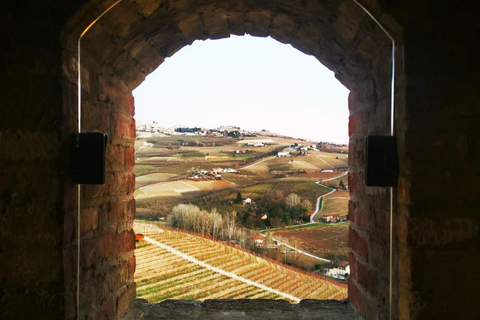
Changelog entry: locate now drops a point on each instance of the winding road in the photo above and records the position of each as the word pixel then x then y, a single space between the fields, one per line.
pixel 317 209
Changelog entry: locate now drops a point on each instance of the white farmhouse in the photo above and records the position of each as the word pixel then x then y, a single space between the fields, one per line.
pixel 338 270
pixel 283 154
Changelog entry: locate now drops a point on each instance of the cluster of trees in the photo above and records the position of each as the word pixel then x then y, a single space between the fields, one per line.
pixel 279 210
pixel 194 129
pixel 211 223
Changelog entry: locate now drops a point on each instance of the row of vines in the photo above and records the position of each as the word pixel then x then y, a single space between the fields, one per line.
pixel 162 275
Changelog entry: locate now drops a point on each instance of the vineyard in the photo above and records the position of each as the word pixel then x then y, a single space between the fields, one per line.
pixel 177 265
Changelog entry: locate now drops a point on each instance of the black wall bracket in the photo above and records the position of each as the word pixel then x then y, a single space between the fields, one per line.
pixel 88 158
pixel 381 161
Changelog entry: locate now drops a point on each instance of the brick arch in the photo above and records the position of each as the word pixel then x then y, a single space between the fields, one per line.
pixel 134 38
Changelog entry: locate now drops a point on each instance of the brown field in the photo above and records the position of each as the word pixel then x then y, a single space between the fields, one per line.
pixel 152 178
pixel 211 185
pixel 335 204
pixel 300 164
pixel 177 188
pixel 324 175
pixel 339 194
pixel 321 241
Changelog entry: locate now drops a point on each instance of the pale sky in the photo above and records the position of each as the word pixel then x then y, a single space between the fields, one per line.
pixel 253 83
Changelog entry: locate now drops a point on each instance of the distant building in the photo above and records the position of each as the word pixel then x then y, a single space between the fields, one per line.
pixel 339 270
pixel 283 154
pixel 331 218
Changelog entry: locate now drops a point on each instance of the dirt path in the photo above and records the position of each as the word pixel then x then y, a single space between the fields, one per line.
pixel 255 163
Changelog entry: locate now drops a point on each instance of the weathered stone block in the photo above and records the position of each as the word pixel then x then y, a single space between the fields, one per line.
pixel 117 211
pixel 125 242
pixel 89 219
pixel 130 157
pixel 258 23
pixel 216 22
pixel 349 20
pixel 125 299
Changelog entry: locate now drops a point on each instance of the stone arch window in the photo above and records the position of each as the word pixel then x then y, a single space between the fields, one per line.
pixel 133 40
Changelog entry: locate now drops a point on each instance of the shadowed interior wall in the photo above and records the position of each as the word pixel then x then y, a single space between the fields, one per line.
pixel 436 126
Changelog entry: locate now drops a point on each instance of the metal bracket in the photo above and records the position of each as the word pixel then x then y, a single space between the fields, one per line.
pixel 381 161
pixel 88 158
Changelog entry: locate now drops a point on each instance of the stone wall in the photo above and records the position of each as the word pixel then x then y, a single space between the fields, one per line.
pixel 33 163
pixel 134 38
pixel 438 203
pixel 107 262
pixel 230 309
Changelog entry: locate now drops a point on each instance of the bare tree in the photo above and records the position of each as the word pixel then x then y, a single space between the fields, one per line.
pixel 230 223
pixel 307 204
pixel 292 200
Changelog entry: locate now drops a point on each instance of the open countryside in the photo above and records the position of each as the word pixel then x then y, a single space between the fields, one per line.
pixel 259 191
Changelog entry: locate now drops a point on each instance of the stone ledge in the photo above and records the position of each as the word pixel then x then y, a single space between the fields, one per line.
pixel 232 309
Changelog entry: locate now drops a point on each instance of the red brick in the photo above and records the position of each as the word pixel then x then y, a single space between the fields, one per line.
pixel 357 243
pixel 130 215
pixel 352 180
pixel 125 299
pixel 122 125
pixel 362 216
pixel 132 264
pixel 366 278
pixel 352 262
pixel 360 301
pixel 89 219
pixel 90 191
pixel 118 97
pixel 112 280
pixel 94 250
pixel 120 183
pixel 355 183
pixel 125 242
pixel 130 157
pixel 356 153
pixel 131 180
pixel 89 252
pixel 94 118
pixel 105 312
pixel 133 130
pixel 130 104
pixel 351 211
pixel 116 155
pixel 352 125
pixel 117 211
pixel 106 245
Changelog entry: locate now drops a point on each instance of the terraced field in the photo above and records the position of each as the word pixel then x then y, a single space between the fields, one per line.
pixel 177 265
